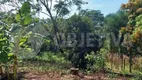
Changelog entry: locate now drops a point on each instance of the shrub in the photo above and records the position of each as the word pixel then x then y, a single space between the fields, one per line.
pixel 96 62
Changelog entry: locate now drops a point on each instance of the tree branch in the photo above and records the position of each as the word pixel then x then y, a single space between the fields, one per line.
pixel 45 13
pixel 51 5
pixel 58 11
pixel 54 23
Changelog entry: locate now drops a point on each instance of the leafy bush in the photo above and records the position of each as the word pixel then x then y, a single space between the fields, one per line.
pixel 51 57
pixel 112 75
pixel 136 78
pixel 95 62
pixel 137 63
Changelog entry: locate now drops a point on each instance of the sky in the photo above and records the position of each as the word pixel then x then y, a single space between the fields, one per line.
pixel 105 6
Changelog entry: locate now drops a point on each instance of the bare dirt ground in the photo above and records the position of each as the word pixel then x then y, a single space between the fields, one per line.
pixel 58 76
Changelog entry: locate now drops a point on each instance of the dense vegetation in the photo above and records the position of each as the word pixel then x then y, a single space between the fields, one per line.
pixel 87 40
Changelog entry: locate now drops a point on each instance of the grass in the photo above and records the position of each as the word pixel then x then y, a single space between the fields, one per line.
pixel 54 62
pixel 117 67
pixel 46 62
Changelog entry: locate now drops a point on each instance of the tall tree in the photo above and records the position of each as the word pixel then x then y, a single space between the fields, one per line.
pixel 59 9
pixel 17 25
pixel 81 26
pixel 114 22
pixel 134 9
pixel 96 16
pixel 54 10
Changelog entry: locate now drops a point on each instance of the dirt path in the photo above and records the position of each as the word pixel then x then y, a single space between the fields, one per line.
pixel 58 76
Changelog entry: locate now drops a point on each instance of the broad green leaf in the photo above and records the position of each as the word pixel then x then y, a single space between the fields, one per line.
pixel 23 40
pixel 29 49
pixel 3 39
pixel 36 19
pixel 48 41
pixel 27 20
pixel 10 54
pixel 26 8
pixel 18 18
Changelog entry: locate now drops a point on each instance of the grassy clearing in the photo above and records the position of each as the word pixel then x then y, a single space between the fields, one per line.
pixel 53 63
pixel 46 62
pixel 116 67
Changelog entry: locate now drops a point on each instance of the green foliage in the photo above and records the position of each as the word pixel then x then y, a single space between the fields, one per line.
pixel 138 77
pixel 25 9
pixel 96 62
pixel 112 25
pixel 14 41
pixel 24 14
pixel 114 22
pixel 134 11
pixel 27 20
pixel 138 20
pixel 11 41
pixel 51 57
pixel 4 46
pixel 112 75
pixel 18 18
pixel 79 24
pixel 63 7
pixel 95 15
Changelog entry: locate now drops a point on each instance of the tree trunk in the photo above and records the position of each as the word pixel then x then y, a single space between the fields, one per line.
pixel 130 62
pixel 7 73
pixel 54 22
pixel 111 61
pixel 15 68
pixel 122 63
pixel 1 71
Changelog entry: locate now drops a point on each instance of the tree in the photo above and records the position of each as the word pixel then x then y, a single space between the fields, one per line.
pixel 54 10
pixel 15 26
pixel 133 8
pixel 112 25
pixel 81 26
pixel 5 56
pixel 114 22
pixel 61 8
pixel 95 15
